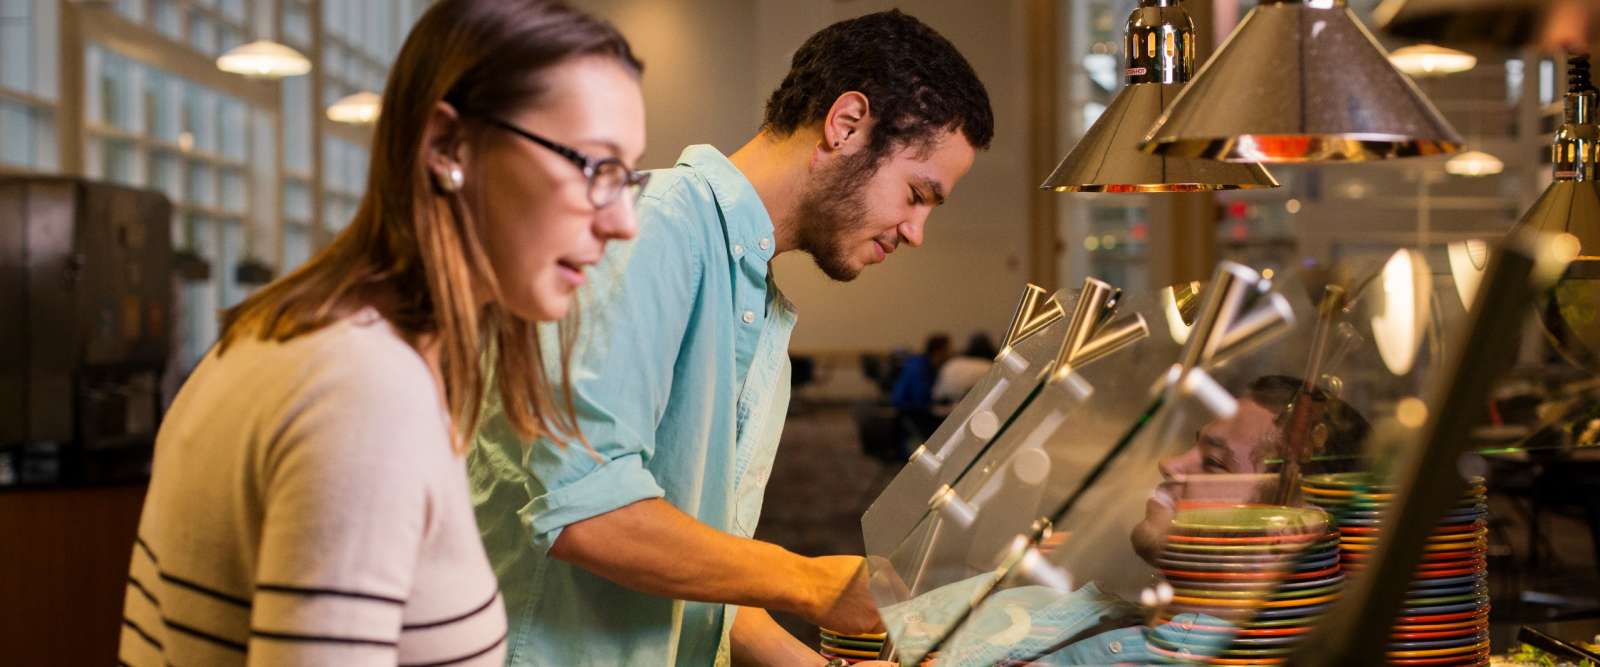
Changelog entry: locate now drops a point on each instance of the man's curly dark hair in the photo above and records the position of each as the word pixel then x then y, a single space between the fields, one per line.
pixel 916 83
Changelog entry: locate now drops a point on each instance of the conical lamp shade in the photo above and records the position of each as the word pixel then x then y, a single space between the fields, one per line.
pixel 1500 23
pixel 1108 158
pixel 1159 58
pixel 1298 83
pixel 1570 312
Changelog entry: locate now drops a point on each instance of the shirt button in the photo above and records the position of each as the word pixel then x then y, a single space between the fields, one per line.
pixel 749 317
pixel 738 249
pixel 1115 647
pixel 765 243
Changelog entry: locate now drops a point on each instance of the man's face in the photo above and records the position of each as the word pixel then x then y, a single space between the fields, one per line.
pixel 852 214
pixel 1225 465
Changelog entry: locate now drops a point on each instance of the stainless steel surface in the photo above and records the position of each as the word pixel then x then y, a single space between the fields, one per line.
pixel 1299 82
pixel 1463 23
pixel 1571 205
pixel 1108 158
pixel 1159 56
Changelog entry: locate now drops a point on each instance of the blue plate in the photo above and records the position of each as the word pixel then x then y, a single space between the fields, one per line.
pixel 1459 589
pixel 1446 608
pixel 1446 582
pixel 1247 642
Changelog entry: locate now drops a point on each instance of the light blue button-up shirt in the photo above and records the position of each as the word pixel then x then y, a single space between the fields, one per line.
pixel 681 382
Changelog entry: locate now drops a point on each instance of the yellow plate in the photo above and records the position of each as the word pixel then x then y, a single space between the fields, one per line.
pixel 1452 537
pixel 870 636
pixel 1466 545
pixel 850 653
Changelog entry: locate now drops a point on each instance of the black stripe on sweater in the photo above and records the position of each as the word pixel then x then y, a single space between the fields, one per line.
pixel 135 583
pixel 201 634
pixel 319 639
pixel 304 590
pixel 204 590
pixel 463 658
pixel 142 634
pixel 454 619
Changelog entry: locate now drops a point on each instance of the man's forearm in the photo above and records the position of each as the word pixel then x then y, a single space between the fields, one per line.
pixel 758 641
pixel 652 547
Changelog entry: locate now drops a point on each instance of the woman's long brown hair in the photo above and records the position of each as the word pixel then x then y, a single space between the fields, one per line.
pixel 413 251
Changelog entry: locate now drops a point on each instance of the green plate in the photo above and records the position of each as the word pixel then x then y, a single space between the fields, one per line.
pixel 1251 520
pixel 1288 550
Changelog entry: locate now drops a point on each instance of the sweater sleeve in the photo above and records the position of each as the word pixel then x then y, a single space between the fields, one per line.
pixel 348 492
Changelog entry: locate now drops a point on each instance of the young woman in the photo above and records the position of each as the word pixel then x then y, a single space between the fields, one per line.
pixel 308 503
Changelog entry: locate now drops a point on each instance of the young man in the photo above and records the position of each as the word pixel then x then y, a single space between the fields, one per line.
pixel 636 549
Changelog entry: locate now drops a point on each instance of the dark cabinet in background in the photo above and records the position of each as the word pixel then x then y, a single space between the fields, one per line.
pixel 86 326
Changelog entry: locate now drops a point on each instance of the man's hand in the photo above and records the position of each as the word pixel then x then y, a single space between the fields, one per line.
pixel 841 601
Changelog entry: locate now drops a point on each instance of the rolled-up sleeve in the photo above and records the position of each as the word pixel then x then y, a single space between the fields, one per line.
pixel 633 314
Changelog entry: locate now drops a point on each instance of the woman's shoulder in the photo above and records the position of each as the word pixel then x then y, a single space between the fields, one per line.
pixel 360 362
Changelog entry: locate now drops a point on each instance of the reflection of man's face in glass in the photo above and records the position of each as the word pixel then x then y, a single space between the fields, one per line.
pixel 1223 467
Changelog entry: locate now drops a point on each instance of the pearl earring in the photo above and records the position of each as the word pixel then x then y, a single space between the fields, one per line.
pixel 457 179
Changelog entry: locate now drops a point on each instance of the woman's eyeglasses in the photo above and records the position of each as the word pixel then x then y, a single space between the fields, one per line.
pixel 608 177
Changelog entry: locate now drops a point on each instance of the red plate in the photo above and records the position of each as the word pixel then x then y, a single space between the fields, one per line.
pixel 1438 634
pixel 1433 627
pixel 1425 570
pixel 1430 557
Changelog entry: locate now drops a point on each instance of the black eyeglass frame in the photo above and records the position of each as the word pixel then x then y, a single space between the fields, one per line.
pixel 590 166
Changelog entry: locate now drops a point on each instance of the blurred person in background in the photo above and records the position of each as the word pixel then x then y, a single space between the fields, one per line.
pixel 960 374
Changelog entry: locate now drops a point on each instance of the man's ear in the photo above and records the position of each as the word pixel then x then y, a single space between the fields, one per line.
pixel 846 126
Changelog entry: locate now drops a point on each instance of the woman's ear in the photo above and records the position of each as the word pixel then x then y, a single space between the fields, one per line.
pixel 443 148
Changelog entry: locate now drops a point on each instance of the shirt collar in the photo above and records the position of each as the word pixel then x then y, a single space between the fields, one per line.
pixel 749 225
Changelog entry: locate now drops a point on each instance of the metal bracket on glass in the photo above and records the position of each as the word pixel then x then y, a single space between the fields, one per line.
pixel 1093 333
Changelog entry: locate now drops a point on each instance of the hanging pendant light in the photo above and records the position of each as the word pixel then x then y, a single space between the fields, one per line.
pixel 1160 58
pixel 264 59
pixel 1473 164
pixel 1570 207
pixel 1430 60
pixel 1301 81
pixel 356 109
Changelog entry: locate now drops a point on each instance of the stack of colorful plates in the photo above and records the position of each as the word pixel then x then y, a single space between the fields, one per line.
pixel 1445 620
pixel 1247 583
pixel 852 648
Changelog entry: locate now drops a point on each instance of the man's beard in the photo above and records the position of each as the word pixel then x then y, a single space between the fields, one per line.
pixel 832 210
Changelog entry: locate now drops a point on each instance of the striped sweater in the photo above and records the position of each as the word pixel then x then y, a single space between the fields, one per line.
pixel 305 509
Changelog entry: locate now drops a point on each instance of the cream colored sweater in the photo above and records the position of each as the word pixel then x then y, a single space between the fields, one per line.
pixel 305 509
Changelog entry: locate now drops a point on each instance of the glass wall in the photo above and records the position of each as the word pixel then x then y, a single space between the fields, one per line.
pixel 28 85
pixel 258 176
